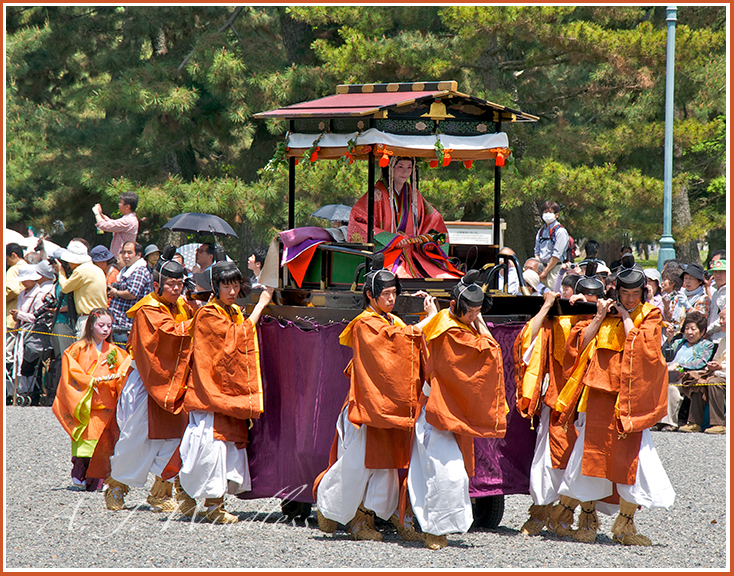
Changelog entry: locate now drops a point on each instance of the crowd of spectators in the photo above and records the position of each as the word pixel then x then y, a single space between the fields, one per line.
pixel 62 288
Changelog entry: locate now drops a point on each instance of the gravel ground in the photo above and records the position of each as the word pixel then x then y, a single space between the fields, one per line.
pixel 50 526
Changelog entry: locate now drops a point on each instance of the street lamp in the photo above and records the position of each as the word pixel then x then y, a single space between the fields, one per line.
pixel 666 241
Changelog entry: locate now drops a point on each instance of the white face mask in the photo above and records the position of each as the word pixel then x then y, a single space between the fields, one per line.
pixel 548 217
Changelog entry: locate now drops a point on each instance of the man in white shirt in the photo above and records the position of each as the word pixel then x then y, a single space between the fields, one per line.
pixel 551 243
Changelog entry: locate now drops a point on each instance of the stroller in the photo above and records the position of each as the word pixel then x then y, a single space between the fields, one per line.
pixel 42 347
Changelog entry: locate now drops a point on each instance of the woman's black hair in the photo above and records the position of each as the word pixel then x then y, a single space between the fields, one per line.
pixel 386 170
pixel 697 318
pixel 224 273
pixel 570 280
pixel 94 315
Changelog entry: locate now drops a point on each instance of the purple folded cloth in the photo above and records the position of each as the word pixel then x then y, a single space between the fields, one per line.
pixel 297 235
pixel 299 239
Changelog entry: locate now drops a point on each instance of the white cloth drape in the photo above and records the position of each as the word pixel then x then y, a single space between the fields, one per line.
pixel 652 488
pixel 135 454
pixel 211 468
pixel 347 483
pixel 544 479
pixel 437 481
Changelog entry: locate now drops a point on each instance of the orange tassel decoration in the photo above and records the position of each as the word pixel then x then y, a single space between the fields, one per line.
pixel 447 156
pixel 499 160
pixel 468 164
pixel 315 154
pixel 433 163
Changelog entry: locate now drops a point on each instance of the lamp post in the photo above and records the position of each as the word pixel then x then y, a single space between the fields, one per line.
pixel 666 241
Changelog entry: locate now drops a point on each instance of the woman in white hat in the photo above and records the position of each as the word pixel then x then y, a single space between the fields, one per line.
pixel 86 281
pixel 29 296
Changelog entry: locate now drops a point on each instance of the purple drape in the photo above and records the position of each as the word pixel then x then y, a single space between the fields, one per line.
pixel 502 465
pixel 305 389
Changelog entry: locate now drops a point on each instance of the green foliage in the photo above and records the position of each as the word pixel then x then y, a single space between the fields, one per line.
pixel 159 100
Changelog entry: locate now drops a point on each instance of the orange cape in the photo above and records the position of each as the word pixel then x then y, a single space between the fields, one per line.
pixel 386 372
pixel 90 384
pixel 225 370
pixel 161 346
pixel 548 357
pixel 467 383
pixel 626 383
pixel 385 376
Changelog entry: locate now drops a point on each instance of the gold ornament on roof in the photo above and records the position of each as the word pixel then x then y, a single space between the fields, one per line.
pixel 437 111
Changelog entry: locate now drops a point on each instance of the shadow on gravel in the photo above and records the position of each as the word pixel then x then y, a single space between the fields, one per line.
pixel 502 530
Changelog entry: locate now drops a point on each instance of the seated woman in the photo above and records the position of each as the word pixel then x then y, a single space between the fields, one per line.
pixel 693 353
pixel 404 225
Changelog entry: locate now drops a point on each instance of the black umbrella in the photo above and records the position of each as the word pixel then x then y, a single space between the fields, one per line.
pixel 333 212
pixel 200 223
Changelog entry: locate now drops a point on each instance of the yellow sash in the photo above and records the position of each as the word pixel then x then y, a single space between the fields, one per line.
pixel 345 338
pixel 441 322
pixel 532 371
pixel 611 336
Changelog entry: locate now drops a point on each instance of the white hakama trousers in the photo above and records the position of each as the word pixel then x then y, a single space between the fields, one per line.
pixel 544 479
pixel 437 481
pixel 652 488
pixel 211 468
pixel 135 454
pixel 348 483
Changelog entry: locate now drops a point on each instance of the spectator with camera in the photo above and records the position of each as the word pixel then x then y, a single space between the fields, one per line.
pixel 78 275
pixel 125 228
pixel 33 325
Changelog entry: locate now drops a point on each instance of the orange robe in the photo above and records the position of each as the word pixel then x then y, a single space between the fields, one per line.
pixel 467 383
pixel 549 357
pixel 161 346
pixel 386 221
pixel 622 384
pixel 225 370
pixel 386 375
pixel 90 383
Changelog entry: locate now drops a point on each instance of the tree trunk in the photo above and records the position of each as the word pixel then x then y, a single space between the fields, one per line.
pixel 717 241
pixel 295 36
pixel 182 162
pixel 609 250
pixel 686 251
pixel 520 232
